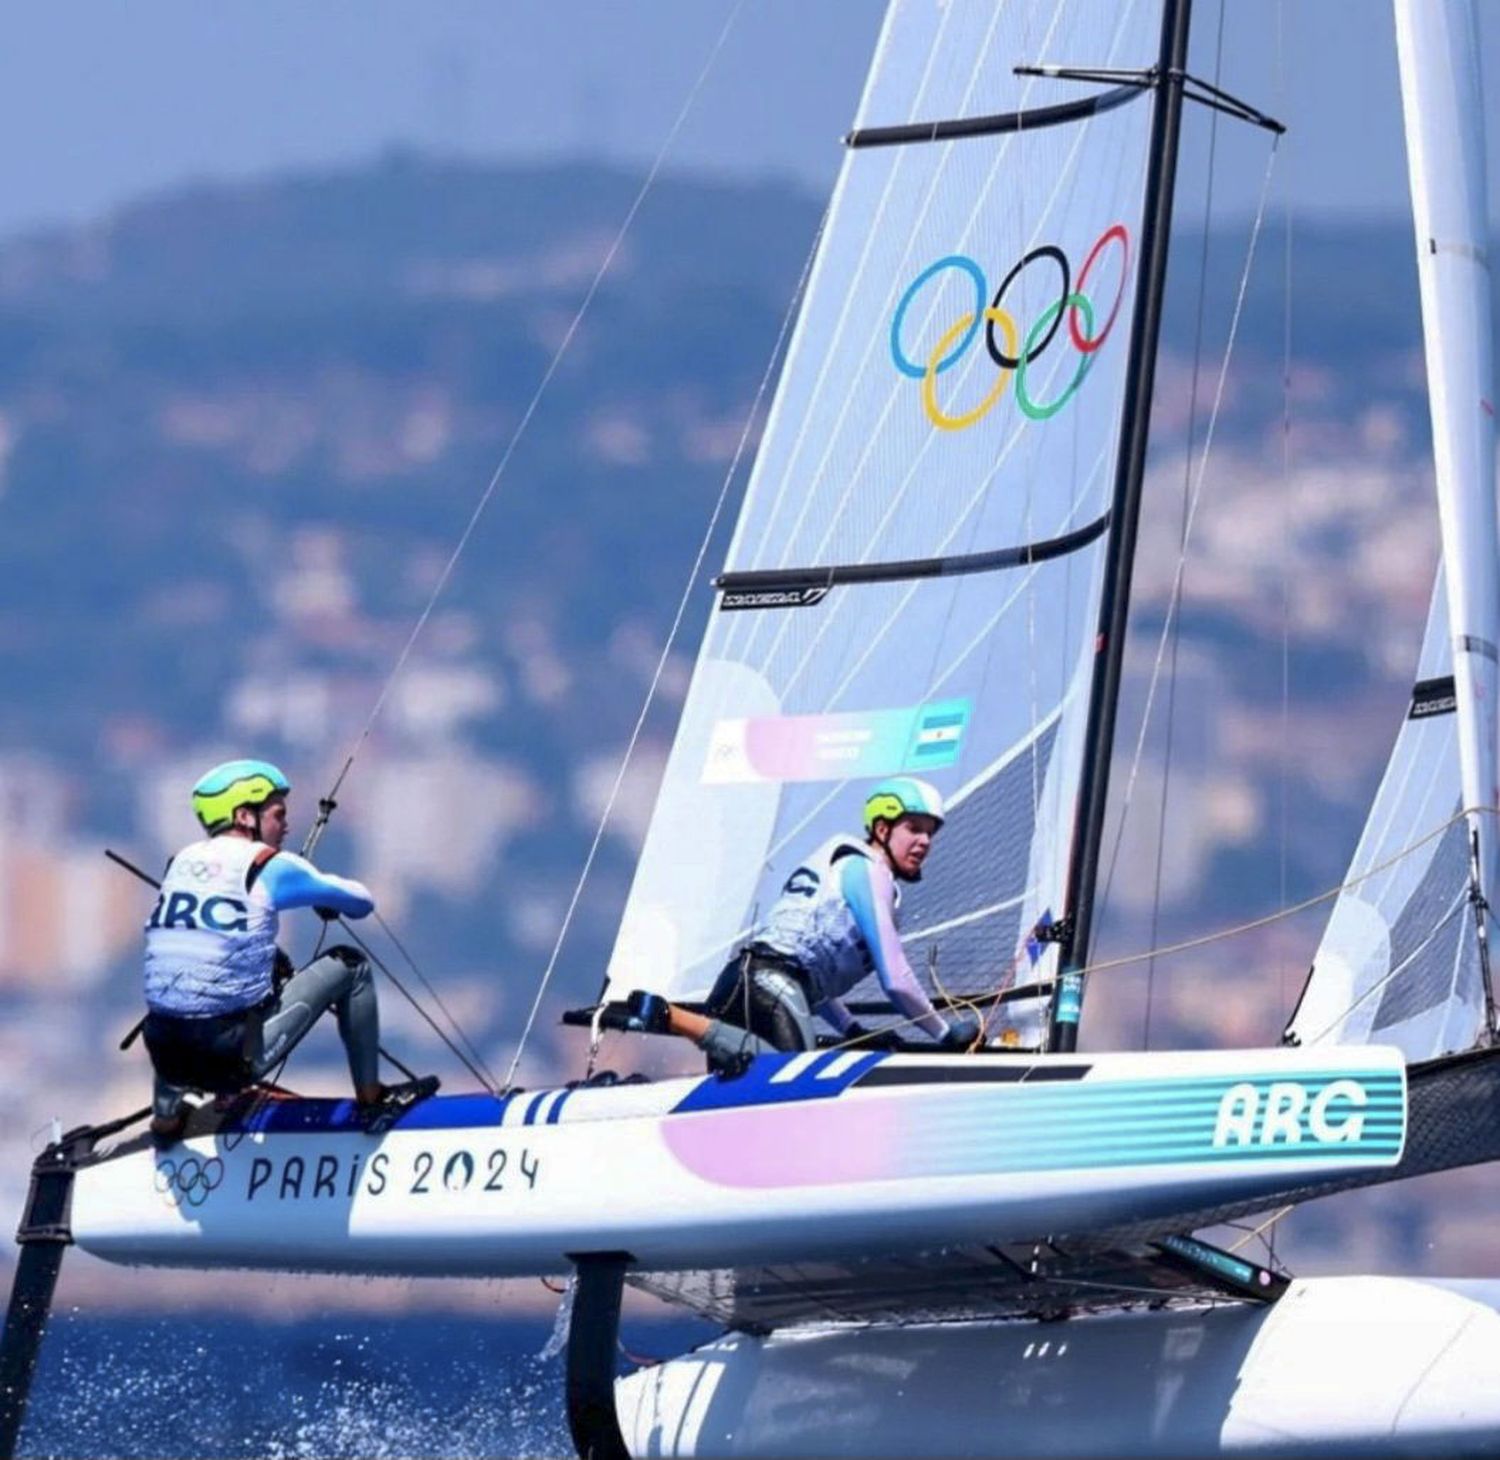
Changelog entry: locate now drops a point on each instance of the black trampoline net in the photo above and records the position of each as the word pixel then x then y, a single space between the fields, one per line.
pixel 1434 953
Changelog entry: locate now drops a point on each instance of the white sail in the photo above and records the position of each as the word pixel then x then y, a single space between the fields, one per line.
pixel 913 582
pixel 1401 959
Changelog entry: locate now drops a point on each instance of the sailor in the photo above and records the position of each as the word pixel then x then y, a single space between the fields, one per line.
pixel 834 922
pixel 215 1021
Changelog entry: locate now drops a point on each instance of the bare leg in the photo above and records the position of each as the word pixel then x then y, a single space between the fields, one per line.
pixel 686 1023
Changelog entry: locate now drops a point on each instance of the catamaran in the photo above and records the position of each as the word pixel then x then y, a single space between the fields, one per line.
pixel 931 575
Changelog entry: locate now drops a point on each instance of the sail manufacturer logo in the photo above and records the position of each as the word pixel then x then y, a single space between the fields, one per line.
pixel 1285 1113
pixel 1012 357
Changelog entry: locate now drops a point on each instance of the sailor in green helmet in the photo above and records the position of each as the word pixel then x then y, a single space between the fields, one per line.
pixel 215 1019
pixel 834 922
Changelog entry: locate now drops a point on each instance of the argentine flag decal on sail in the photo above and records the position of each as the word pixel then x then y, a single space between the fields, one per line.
pixel 939 733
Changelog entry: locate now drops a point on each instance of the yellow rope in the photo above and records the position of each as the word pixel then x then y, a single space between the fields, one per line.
pixel 1286 912
pixel 971 1001
pixel 1269 1222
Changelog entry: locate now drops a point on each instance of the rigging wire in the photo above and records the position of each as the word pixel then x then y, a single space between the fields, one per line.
pixel 406 994
pixel 491 1083
pixel 330 801
pixel 1283 801
pixel 666 650
pixel 1174 607
pixel 536 398
pixel 1460 906
pixel 1282 787
pixel 1203 459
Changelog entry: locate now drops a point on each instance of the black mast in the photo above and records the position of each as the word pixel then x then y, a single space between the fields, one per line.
pixel 1114 608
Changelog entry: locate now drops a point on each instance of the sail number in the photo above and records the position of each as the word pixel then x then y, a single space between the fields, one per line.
pixel 329 1175
pixel 1011 355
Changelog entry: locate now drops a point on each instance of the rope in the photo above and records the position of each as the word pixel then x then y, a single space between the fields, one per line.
pixel 535 401
pixel 1223 934
pixel 1295 908
pixel 671 639
pixel 1460 905
pixel 1266 1226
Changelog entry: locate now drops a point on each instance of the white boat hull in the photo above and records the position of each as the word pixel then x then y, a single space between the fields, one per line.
pixel 1360 1365
pixel 806 1156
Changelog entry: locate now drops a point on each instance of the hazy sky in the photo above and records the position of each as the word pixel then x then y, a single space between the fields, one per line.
pixel 103 101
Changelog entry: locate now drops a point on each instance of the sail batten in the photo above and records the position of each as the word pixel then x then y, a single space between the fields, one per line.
pixel 955 128
pixel 940 567
pixel 913 581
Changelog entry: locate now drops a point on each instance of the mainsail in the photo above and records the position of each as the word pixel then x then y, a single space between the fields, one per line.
pixel 913 584
pixel 1403 958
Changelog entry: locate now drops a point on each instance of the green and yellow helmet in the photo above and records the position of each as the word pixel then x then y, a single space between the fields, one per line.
pixel 902 796
pixel 223 790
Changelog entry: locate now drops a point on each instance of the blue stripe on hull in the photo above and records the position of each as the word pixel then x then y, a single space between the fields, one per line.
pixel 758 1086
pixel 311 1116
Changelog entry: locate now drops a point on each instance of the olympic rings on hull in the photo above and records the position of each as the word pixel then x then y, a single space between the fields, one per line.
pixel 1011 354
pixel 189 1180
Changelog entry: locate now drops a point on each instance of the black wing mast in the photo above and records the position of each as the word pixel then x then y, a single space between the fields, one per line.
pixel 1173 85
pixel 1168 81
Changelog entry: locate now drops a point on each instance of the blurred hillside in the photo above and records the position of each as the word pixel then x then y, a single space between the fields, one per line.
pixel 241 429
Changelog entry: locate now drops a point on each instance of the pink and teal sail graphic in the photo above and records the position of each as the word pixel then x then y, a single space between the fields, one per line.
pixel 837 747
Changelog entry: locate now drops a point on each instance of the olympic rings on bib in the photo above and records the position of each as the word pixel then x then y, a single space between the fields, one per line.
pixel 1010 353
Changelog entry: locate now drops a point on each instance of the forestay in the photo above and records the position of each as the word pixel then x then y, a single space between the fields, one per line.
pixel 913 582
pixel 1400 962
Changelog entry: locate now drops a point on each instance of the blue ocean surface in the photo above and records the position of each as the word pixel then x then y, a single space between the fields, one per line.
pixel 347 1385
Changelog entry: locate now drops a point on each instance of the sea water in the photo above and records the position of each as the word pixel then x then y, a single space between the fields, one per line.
pixel 422 1385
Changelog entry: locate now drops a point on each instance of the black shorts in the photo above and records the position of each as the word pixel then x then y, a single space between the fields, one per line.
pixel 217 1054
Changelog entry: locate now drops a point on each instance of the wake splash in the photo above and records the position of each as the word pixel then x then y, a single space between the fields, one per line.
pixel 425 1385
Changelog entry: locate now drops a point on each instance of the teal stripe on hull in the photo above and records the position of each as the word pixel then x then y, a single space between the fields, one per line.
pixel 1383 1109
pixel 1390 1128
pixel 1188 1156
pixel 1383 1084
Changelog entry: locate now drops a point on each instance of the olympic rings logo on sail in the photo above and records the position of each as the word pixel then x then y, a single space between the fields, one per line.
pixel 189 1180
pixel 1011 355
